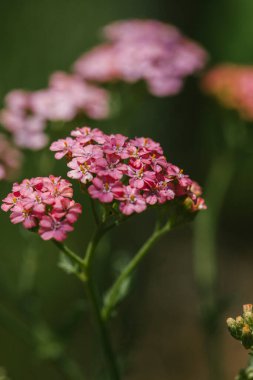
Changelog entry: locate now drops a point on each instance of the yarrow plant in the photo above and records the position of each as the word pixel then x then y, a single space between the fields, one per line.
pixel 146 50
pixel 125 177
pixel 122 176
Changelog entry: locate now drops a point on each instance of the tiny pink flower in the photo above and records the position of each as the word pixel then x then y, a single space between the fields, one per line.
pixel 81 169
pixel 177 174
pixel 23 214
pixel 132 201
pixel 140 177
pixel 105 189
pixel 67 208
pixel 63 147
pixel 58 187
pixel 116 144
pixel 51 228
pixel 10 201
pixel 85 134
pixel 111 166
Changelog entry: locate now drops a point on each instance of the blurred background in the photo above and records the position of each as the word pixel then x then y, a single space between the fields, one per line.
pixel 157 330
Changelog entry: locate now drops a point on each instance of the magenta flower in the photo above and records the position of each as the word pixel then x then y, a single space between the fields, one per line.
pixel 111 166
pixel 81 169
pixel 132 174
pixel 50 228
pixel 105 189
pixel 10 201
pixel 43 204
pixel 85 135
pixel 20 213
pixel 132 201
pixel 67 207
pixel 63 147
pixel 140 177
pixel 116 144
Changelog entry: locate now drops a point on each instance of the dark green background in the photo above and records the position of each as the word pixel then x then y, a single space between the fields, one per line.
pixel 160 316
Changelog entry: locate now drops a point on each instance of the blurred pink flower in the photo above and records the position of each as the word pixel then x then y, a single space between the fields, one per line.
pixel 232 86
pixel 26 113
pixel 10 159
pixel 146 50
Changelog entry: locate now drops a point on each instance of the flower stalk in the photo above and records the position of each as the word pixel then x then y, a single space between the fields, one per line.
pixel 112 294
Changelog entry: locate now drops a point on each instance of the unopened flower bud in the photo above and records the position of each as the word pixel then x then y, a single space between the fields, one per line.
pixel 248 314
pixel 247 337
pixel 233 328
pixel 248 308
pixel 239 321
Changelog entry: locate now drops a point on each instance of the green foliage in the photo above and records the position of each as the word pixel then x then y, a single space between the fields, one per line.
pixel 3 374
pixel 66 264
pixel 122 292
pixel 241 328
pixel 245 374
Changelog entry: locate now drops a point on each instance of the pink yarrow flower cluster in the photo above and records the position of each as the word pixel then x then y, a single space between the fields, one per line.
pixel 232 86
pixel 129 174
pixel 27 113
pixel 10 159
pixel 44 204
pixel 146 50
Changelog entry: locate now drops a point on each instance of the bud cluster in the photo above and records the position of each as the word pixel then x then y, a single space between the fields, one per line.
pixel 241 328
pixel 245 374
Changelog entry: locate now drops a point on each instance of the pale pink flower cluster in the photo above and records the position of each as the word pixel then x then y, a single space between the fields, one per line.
pixel 232 85
pixel 129 174
pixel 44 204
pixel 10 159
pixel 26 114
pixel 146 50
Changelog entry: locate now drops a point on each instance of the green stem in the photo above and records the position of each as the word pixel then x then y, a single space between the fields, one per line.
pixel 205 256
pixel 94 211
pixel 113 292
pixel 102 331
pixel 100 324
pixel 63 248
pixel 99 232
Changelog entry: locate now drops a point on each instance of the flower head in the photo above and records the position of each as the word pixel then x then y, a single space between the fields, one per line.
pixel 146 50
pixel 26 113
pixel 232 86
pixel 241 328
pixel 128 174
pixel 44 204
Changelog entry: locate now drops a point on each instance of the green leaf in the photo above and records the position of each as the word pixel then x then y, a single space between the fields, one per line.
pixel 66 264
pixel 122 292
